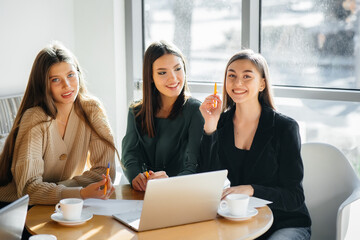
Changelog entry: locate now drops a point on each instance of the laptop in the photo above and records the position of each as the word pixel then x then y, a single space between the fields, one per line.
pixel 177 200
pixel 12 219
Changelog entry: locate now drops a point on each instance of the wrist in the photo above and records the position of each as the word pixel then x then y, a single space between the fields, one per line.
pixel 82 194
pixel 251 191
pixel 209 130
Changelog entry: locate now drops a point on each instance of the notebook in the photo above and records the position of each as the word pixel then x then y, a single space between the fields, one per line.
pixel 177 200
pixel 12 219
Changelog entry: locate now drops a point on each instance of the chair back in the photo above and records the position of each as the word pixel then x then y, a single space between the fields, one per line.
pixel 329 180
pixel 8 110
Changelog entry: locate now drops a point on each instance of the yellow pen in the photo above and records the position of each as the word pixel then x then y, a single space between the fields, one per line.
pixel 145 170
pixel 215 92
pixel 107 174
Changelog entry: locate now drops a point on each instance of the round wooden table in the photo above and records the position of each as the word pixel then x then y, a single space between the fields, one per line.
pixel 38 221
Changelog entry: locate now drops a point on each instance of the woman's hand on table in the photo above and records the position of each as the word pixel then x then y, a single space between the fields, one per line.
pixel 140 181
pixel 157 175
pixel 243 189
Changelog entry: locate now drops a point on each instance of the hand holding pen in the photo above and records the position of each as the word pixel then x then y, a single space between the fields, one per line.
pixel 102 189
pixel 108 187
pixel 211 110
pixel 140 181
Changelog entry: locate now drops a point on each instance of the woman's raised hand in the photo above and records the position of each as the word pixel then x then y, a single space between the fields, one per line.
pixel 243 189
pixel 211 110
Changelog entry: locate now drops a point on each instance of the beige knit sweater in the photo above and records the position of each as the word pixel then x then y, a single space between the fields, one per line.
pixel 50 168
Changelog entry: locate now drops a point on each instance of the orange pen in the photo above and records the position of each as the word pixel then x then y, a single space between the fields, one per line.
pixel 107 174
pixel 147 174
pixel 215 92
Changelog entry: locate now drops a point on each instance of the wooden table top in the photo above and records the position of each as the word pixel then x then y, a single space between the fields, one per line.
pixel 38 221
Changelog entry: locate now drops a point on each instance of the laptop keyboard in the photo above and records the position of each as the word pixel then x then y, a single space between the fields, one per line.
pixel 130 216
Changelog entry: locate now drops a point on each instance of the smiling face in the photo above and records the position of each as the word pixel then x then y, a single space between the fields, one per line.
pixel 169 77
pixel 64 83
pixel 244 82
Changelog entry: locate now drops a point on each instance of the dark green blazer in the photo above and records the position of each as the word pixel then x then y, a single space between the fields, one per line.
pixel 174 149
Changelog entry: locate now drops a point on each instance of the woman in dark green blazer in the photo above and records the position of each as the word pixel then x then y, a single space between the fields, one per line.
pixel 258 146
pixel 164 128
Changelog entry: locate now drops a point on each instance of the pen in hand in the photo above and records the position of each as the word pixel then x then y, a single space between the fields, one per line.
pixel 215 92
pixel 145 170
pixel 107 174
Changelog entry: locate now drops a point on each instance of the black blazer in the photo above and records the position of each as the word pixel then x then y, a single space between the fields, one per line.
pixel 273 166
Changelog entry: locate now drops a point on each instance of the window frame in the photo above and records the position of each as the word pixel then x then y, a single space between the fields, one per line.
pixel 251 38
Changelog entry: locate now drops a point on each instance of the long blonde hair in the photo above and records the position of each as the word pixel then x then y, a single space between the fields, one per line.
pixel 38 94
pixel 265 97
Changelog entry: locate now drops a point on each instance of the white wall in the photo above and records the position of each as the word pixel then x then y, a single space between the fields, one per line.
pixel 93 29
pixel 100 48
pixel 25 28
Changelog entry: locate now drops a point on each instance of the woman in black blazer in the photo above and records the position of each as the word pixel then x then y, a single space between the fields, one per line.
pixel 258 146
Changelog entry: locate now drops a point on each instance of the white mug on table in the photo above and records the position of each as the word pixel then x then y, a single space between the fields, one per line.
pixel 70 208
pixel 43 237
pixel 236 204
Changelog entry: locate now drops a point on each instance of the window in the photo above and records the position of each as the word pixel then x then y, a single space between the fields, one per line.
pixel 316 44
pixel 208 32
pixel 312 47
pixel 312 43
pixel 332 122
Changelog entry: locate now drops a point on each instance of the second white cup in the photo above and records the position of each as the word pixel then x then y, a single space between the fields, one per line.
pixel 43 237
pixel 70 208
pixel 236 203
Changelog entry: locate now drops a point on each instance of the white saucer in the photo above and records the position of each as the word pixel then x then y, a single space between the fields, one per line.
pixel 249 214
pixel 85 216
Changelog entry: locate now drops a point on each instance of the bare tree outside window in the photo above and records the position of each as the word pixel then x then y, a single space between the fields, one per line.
pixel 183 10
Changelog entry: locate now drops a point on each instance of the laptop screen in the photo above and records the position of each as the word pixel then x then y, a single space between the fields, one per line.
pixel 178 200
pixel 12 219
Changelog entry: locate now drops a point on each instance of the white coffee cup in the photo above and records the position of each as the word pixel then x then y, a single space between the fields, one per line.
pixel 43 237
pixel 70 208
pixel 236 204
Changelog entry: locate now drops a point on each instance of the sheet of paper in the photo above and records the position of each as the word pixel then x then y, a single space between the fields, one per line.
pixel 227 183
pixel 111 206
pixel 257 202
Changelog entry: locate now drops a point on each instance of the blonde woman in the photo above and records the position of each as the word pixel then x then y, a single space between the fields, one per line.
pixel 57 128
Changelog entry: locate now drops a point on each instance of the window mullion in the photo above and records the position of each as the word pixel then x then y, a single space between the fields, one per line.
pixel 250 35
pixel 134 46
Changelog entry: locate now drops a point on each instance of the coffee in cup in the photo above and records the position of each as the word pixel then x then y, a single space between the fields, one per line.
pixel 236 204
pixel 70 208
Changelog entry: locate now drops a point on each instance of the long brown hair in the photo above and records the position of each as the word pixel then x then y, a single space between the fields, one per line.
pixel 38 94
pixel 151 101
pixel 265 97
